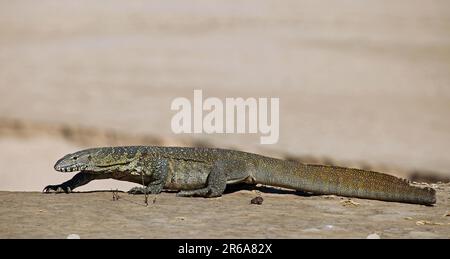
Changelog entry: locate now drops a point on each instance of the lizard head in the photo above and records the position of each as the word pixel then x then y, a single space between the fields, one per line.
pixel 94 159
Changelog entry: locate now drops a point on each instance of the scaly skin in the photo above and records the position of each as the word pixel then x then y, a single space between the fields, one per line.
pixel 206 172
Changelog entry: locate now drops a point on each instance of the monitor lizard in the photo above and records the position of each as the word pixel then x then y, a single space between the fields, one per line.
pixel 205 172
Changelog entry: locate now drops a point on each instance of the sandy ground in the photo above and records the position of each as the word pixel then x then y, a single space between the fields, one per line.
pixel 281 215
pixel 358 81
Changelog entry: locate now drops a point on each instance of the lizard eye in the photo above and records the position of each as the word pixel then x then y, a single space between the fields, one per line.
pixel 74 157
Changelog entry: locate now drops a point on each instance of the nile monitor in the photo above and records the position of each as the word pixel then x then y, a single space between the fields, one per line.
pixel 206 172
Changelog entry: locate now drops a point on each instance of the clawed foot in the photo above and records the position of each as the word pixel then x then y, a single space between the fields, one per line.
pixel 138 190
pixel 151 189
pixel 204 192
pixel 57 189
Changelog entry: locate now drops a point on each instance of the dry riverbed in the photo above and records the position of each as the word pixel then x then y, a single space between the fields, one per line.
pixel 281 215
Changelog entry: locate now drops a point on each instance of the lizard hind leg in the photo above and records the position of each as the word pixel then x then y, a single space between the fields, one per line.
pixel 215 183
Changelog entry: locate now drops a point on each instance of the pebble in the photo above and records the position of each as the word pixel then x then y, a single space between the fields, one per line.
pixel 73 236
pixel 258 200
pixel 329 227
pixel 373 236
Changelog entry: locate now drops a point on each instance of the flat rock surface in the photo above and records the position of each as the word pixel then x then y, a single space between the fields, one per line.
pixel 281 215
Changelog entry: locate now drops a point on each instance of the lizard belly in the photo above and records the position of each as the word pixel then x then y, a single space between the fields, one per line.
pixel 128 176
pixel 187 175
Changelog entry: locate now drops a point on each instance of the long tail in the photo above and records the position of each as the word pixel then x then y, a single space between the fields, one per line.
pixel 342 181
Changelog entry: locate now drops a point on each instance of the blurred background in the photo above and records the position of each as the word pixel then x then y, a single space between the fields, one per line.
pixel 361 83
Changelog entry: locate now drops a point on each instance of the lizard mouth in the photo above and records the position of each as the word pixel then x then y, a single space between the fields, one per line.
pixel 71 168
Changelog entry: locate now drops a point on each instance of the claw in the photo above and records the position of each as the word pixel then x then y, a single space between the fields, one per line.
pixel 48 188
pixel 56 188
pixel 136 190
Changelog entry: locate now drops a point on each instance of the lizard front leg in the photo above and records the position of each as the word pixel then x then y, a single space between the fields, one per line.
pixel 78 180
pixel 158 178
